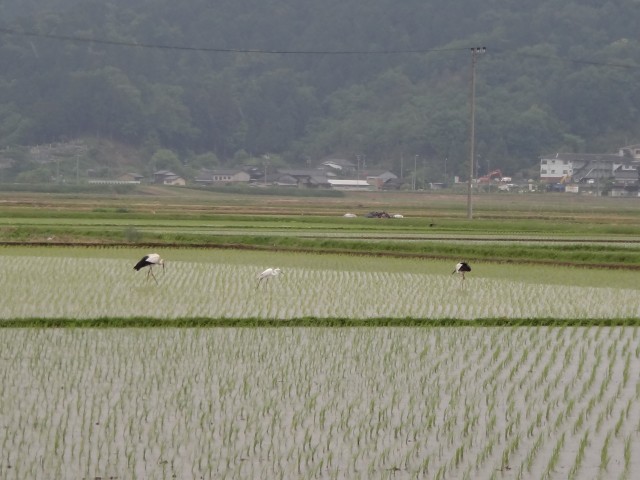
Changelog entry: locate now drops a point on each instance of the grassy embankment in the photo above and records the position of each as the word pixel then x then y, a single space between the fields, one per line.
pixel 311 322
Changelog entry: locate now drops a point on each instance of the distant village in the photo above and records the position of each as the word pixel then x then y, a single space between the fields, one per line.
pixel 334 173
pixel 615 175
pixel 612 174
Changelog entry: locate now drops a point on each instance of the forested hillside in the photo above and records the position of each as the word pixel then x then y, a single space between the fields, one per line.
pixel 215 81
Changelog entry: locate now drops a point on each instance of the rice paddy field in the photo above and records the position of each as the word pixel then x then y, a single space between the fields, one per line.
pixel 313 402
pixel 438 402
pixel 90 283
pixel 220 377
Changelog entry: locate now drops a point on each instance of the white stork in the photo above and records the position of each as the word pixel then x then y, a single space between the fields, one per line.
pixel 462 268
pixel 149 261
pixel 267 274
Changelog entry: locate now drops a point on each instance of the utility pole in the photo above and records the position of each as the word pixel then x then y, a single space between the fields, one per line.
pixel 472 129
pixel 265 159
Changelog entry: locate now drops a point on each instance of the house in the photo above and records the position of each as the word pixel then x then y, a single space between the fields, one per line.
pixel 620 190
pixel 625 181
pixel 378 178
pixel 297 178
pixel 393 184
pixel 579 167
pixel 310 178
pixel 271 179
pixel 175 180
pixel 130 177
pixel 626 175
pixel 337 165
pixel 167 177
pixel 280 180
pixel 222 176
pixel 631 151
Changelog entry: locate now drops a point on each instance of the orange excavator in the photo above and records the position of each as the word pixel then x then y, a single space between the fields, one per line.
pixel 493 175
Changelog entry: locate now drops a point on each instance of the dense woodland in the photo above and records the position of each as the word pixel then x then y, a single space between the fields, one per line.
pixel 385 80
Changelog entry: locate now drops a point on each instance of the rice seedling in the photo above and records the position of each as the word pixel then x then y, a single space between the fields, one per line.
pixel 555 455
pixel 627 456
pixel 604 453
pixel 584 441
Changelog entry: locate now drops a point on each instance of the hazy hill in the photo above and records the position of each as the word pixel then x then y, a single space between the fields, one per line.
pixel 558 75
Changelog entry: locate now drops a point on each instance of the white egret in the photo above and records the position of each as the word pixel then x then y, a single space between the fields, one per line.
pixel 267 274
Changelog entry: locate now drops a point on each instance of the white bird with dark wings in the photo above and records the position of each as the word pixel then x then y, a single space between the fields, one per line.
pixel 150 261
pixel 461 269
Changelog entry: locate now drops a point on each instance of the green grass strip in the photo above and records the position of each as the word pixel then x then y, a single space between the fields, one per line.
pixel 144 322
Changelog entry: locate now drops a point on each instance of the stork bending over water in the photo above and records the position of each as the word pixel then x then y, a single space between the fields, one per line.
pixel 267 274
pixel 149 261
pixel 462 268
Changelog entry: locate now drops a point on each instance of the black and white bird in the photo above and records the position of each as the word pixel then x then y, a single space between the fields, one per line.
pixel 267 274
pixel 461 269
pixel 149 261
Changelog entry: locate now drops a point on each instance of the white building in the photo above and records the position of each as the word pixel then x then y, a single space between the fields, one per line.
pixel 222 176
pixel 579 167
pixel 350 184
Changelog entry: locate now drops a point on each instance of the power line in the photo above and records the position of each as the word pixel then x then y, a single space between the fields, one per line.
pixel 581 61
pixel 157 46
pixel 70 38
pixel 587 62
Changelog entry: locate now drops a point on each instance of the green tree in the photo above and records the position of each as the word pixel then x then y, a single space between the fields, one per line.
pixel 102 102
pixel 168 116
pixel 164 159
